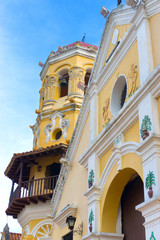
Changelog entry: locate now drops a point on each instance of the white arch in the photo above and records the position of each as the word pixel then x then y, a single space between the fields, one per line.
pixel 26 230
pixel 127 147
pixel 40 224
pixel 116 93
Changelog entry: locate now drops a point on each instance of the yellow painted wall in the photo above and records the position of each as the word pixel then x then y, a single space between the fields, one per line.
pixel 104 159
pixel 124 68
pixel 155 38
pixel 122 30
pixel 67 63
pixel 113 189
pixel 75 187
pixel 133 134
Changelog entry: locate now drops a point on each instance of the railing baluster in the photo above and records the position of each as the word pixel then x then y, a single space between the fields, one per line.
pixel 40 186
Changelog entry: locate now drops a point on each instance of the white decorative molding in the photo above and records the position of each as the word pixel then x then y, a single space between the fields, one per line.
pixel 149 147
pixel 93 194
pixel 77 50
pixel 60 219
pixel 63 125
pixel 152 7
pixel 119 140
pixel 103 236
pixel 115 36
pixel 127 147
pixel 151 212
pixel 125 45
pixel 40 224
pixel 33 211
pixel 118 16
pixel 141 22
pixel 26 231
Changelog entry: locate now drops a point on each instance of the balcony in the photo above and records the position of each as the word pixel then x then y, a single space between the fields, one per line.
pixel 30 192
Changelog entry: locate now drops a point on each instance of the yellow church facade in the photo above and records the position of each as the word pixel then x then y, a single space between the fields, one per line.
pixel 96 153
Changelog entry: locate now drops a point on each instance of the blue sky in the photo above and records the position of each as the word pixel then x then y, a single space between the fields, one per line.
pixel 29 31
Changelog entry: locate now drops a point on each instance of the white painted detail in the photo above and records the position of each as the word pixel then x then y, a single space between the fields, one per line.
pixel 151 212
pixel 151 111
pixel 93 117
pixel 103 236
pixel 117 94
pixel 41 224
pixel 150 152
pixel 144 43
pixel 93 164
pixel 33 211
pixel 60 219
pixel 115 36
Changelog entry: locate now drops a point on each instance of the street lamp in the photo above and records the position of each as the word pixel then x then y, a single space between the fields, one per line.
pixel 71 221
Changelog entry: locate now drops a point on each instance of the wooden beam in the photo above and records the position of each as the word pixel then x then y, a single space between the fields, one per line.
pixel 33 200
pixel 41 199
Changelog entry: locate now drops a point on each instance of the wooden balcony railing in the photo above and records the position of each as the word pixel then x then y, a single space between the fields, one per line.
pixel 37 187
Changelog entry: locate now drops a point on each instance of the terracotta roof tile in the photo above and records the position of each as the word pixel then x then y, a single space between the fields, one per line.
pixel 78 43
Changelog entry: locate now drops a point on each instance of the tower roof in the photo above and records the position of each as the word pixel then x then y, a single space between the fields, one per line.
pixel 75 44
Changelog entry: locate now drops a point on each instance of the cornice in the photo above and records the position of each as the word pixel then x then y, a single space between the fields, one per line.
pixel 139 15
pixel 60 219
pixel 149 147
pixel 93 194
pixel 152 7
pixel 150 210
pixel 30 212
pixel 77 50
pixel 103 236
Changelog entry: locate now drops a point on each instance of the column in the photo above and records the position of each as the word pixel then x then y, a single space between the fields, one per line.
pixel 41 92
pixel 93 113
pixel 150 208
pixel 51 89
pixel 93 194
pixel 76 74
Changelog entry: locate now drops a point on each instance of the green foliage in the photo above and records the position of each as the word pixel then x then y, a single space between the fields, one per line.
pixel 107 122
pixel 91 176
pixel 131 94
pixel 146 124
pixel 152 237
pixel 150 180
pixel 91 216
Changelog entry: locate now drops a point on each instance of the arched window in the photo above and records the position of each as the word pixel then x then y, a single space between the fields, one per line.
pixel 64 79
pixel 119 93
pixel 87 76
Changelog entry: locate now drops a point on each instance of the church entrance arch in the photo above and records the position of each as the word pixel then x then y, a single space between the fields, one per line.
pixel 119 214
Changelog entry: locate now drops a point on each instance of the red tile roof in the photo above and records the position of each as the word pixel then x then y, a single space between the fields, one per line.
pixel 78 43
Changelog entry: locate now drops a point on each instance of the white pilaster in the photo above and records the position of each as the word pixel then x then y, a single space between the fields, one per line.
pixel 150 152
pixel 141 21
pixel 93 113
pixel 93 196
pixel 149 107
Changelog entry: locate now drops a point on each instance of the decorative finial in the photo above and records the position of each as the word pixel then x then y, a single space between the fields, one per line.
pixel 83 39
pixel 119 2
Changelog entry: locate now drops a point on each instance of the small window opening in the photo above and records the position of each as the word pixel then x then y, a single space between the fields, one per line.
pixel 123 97
pixel 64 85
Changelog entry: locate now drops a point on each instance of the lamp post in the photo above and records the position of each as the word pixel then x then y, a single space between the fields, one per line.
pixel 71 222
